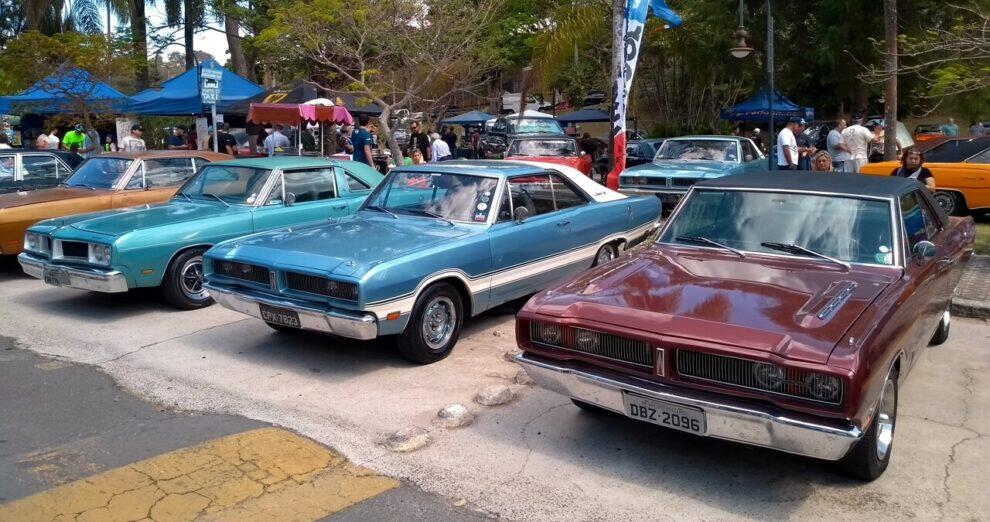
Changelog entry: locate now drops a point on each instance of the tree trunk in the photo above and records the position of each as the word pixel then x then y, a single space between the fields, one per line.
pixel 393 145
pixel 188 31
pixel 231 27
pixel 139 42
pixel 890 84
pixel 34 11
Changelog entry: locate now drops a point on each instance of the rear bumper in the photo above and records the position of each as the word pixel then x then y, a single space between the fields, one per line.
pixel 345 323
pixel 95 279
pixel 727 419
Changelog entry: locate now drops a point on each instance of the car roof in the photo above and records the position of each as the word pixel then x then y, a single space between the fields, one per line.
pixel 955 150
pixel 542 136
pixel 849 184
pixel 709 137
pixel 283 162
pixel 152 154
pixel 488 167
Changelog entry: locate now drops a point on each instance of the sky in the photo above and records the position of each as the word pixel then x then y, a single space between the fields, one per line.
pixel 209 41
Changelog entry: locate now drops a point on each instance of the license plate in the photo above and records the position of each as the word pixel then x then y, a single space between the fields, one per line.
pixel 665 414
pixel 280 316
pixel 56 276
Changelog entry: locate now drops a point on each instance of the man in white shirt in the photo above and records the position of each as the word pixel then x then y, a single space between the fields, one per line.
pixel 53 141
pixel 837 146
pixel 857 139
pixel 787 149
pixel 134 142
pixel 439 150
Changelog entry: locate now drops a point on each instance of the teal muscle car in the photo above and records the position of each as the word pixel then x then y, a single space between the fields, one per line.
pixel 162 245
pixel 681 162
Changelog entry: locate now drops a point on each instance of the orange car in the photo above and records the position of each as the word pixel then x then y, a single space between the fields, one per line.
pixel 961 167
pixel 115 180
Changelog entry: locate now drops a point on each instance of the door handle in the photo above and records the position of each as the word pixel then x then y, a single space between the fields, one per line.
pixel 563 224
pixel 339 207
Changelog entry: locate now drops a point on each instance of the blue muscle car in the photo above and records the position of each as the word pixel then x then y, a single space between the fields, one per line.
pixel 681 162
pixel 163 245
pixel 433 245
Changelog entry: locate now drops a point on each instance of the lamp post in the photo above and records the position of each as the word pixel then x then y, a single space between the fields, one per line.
pixel 742 50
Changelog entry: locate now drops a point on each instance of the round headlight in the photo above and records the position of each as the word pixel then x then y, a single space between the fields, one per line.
pixel 768 375
pixel 823 387
pixel 550 334
pixel 585 340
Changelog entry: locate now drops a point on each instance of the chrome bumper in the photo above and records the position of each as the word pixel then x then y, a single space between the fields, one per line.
pixel 652 192
pixel 95 279
pixel 725 418
pixel 355 325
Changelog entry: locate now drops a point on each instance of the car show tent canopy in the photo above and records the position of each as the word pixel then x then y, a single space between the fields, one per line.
pixel 468 118
pixel 64 91
pixel 303 92
pixel 180 95
pixel 584 116
pixel 757 109
pixel 292 114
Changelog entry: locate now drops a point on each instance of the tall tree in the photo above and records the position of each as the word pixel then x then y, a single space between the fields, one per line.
pixel 890 84
pixel 139 42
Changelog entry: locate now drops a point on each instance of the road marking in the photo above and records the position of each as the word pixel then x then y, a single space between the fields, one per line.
pixel 264 474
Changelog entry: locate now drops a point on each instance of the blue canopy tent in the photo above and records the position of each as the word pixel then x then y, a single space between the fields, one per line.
pixel 757 109
pixel 584 116
pixel 180 95
pixel 65 91
pixel 468 118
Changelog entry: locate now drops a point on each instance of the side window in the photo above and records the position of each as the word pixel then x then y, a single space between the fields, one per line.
pixel 505 209
pixel 275 198
pixel 309 185
pixel 500 126
pixel 634 150
pixel 749 152
pixel 354 184
pixel 533 192
pixel 39 167
pixel 7 162
pixel 983 157
pixel 919 225
pixel 137 180
pixel 166 172
pixel 564 195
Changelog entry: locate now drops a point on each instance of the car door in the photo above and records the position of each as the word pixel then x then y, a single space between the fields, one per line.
pixel 530 255
pixel 153 181
pixel 353 190
pixel 927 278
pixel 300 196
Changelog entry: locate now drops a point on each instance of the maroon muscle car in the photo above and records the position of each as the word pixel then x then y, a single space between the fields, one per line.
pixel 779 310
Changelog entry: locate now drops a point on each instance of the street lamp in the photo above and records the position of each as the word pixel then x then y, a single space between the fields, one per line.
pixel 742 50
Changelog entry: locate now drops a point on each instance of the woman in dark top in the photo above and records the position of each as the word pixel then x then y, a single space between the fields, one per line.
pixel 912 166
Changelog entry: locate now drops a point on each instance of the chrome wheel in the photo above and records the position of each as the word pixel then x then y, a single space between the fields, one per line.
pixel 439 320
pixel 948 201
pixel 605 254
pixel 885 419
pixel 191 279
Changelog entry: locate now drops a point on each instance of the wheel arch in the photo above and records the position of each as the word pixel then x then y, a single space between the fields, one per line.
pixel 460 285
pixel 183 250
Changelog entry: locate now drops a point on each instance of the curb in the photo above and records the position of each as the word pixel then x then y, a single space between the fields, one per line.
pixel 971 297
pixel 970 309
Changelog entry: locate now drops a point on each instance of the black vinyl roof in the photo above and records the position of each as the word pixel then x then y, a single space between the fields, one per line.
pixel 830 182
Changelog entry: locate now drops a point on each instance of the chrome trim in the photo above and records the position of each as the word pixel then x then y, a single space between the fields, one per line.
pixel 726 418
pixel 345 323
pixel 836 302
pixel 94 279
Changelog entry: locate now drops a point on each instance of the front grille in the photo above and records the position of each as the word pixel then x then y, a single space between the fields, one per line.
pixel 761 376
pixel 643 180
pixel 683 182
pixel 75 249
pixel 255 273
pixel 590 342
pixel 321 285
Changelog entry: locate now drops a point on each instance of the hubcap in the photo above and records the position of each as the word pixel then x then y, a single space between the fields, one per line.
pixel 605 254
pixel 946 318
pixel 439 320
pixel 946 201
pixel 191 279
pixel 885 419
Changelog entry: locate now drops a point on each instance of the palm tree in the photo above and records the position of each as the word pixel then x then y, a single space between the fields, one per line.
pixel 139 42
pixel 190 14
pixel 82 16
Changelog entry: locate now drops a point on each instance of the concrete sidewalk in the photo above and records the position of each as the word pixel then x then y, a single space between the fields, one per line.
pixel 972 297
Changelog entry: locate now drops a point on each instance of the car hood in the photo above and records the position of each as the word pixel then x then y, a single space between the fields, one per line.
pixel 348 246
pixel 694 169
pixel 794 308
pixel 19 199
pixel 121 221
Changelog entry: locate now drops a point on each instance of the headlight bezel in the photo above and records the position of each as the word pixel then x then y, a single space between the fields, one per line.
pixel 40 243
pixel 99 254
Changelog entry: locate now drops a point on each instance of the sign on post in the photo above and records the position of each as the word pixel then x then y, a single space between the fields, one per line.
pixel 209 93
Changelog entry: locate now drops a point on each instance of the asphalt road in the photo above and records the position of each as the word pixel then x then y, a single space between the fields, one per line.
pixel 536 458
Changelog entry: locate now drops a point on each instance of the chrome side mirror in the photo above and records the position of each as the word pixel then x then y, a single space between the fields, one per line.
pixel 290 199
pixel 923 251
pixel 521 214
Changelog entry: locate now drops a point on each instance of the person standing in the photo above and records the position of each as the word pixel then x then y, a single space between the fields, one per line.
pixel 361 140
pixel 76 137
pixel 805 149
pixel 41 142
pixel 276 141
pixel 91 145
pixel 976 129
pixel 53 141
pixel 475 139
pixel 949 128
pixel 450 138
pixel 177 140
pixel 912 166
pixel 108 144
pixel 134 142
pixel 344 143
pixel 857 139
pixel 418 140
pixel 439 151
pixel 226 144
pixel 4 142
pixel 787 149
pixel 836 146
pixel 758 140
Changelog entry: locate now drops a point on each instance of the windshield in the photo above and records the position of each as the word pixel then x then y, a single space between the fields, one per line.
pixel 698 150
pixel 232 184
pixel 456 197
pixel 543 148
pixel 534 126
pixel 99 173
pixel 847 229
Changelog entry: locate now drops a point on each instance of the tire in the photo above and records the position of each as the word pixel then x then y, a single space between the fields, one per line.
pixel 434 326
pixel 182 286
pixel 282 328
pixel 870 456
pixel 952 203
pixel 592 408
pixel 942 332
pixel 605 254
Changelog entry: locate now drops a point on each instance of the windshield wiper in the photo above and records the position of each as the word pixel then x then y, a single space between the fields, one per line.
pixel 796 249
pixel 705 240
pixel 382 209
pixel 183 194
pixel 216 197
pixel 431 214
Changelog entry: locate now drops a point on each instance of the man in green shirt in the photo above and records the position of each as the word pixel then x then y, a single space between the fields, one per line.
pixel 75 137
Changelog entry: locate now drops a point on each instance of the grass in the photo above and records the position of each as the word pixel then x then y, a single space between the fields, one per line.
pixel 983 235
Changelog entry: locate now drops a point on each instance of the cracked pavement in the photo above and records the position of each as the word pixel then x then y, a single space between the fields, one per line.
pixel 536 458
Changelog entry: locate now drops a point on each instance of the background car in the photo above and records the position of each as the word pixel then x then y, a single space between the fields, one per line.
pixel 817 132
pixel 433 245
pixel 961 167
pixel 163 245
pixel 494 143
pixel 26 169
pixel 113 180
pixel 927 131
pixel 639 152
pixel 551 148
